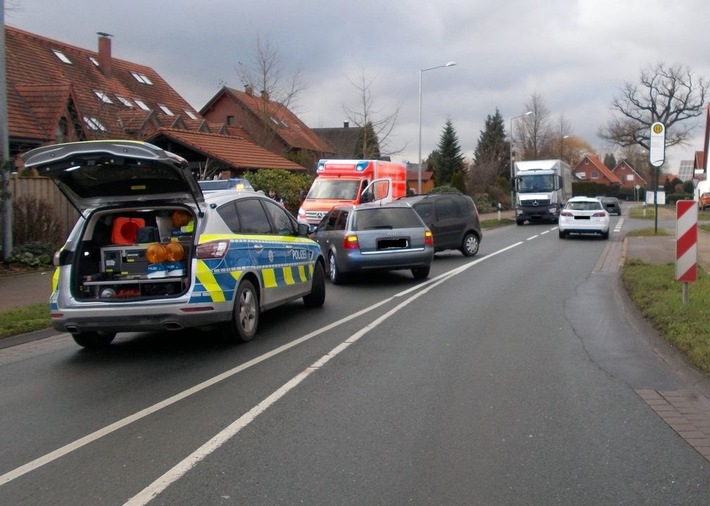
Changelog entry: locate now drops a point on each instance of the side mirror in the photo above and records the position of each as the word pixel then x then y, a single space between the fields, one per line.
pixel 304 229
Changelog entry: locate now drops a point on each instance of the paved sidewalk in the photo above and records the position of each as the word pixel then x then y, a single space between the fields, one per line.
pixel 18 290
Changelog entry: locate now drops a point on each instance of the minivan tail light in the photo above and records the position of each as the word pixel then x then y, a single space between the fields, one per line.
pixel 214 249
pixel 428 238
pixel 351 242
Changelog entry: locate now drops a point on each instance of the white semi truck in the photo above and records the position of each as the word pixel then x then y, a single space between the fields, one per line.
pixel 541 189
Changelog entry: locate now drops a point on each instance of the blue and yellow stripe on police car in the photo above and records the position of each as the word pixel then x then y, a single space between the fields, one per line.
pixel 219 287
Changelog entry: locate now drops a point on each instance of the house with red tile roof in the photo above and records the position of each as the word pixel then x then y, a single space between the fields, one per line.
pixel 225 151
pixel 269 124
pixel 61 93
pixel 592 169
pixel 628 176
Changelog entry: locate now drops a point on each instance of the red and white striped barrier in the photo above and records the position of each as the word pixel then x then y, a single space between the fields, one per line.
pixel 686 245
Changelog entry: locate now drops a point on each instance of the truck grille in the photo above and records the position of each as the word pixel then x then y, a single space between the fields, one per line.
pixel 535 203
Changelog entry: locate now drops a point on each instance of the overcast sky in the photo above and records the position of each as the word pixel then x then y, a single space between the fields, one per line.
pixel 575 54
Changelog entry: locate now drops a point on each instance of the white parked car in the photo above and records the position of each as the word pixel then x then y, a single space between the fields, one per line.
pixel 584 215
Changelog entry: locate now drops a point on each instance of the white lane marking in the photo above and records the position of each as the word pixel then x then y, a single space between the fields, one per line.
pixel 532 237
pixel 90 438
pixel 171 476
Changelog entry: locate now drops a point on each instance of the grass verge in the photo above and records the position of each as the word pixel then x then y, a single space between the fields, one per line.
pixel 24 319
pixel 658 296
pixel 493 223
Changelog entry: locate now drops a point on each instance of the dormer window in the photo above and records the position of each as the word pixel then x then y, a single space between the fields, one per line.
pixel 94 124
pixel 141 104
pixel 103 97
pixel 190 114
pixel 124 101
pixel 62 57
pixel 166 110
pixel 94 60
pixel 278 122
pixel 141 78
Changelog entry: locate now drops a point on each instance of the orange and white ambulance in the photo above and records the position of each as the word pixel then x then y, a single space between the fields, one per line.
pixel 354 182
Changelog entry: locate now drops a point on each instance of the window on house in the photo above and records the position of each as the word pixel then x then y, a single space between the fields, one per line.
pixel 94 124
pixel 190 114
pixel 166 109
pixel 595 174
pixel 141 104
pixel 124 101
pixel 278 122
pixel 230 120
pixel 103 97
pixel 62 57
pixel 94 60
pixel 141 78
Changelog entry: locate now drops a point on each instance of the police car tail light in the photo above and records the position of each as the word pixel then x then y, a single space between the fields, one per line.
pixel 351 242
pixel 428 238
pixel 214 249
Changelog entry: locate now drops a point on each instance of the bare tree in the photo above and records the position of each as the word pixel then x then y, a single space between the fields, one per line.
pixel 265 75
pixel 665 93
pixel 533 132
pixel 376 125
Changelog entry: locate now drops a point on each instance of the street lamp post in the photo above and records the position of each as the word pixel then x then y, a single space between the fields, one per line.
pixel 419 167
pixel 510 145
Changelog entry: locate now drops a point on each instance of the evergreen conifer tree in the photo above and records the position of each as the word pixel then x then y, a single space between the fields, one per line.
pixel 449 159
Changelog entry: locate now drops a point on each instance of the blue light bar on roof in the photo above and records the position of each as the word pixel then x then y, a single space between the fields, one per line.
pixel 361 166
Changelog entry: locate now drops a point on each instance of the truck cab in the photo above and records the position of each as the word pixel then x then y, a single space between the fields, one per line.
pixel 541 188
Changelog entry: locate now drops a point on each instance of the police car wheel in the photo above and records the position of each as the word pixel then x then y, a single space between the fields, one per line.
pixel 245 315
pixel 93 339
pixel 317 296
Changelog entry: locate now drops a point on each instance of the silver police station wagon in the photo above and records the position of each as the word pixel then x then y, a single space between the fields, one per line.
pixel 150 251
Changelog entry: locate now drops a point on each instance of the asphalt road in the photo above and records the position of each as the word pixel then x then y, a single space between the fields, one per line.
pixel 518 377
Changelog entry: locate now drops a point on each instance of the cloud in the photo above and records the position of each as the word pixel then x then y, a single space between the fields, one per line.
pixel 575 54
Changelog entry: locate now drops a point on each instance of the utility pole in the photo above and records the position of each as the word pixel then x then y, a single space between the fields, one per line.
pixel 5 162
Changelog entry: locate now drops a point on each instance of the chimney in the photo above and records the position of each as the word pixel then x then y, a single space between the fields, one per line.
pixel 248 90
pixel 265 94
pixel 105 53
pixel 346 124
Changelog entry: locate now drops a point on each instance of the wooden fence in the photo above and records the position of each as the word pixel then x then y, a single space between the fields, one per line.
pixel 44 189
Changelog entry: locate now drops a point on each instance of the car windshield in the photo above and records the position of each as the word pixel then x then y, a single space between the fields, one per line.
pixel 531 183
pixel 386 218
pixel 584 206
pixel 334 189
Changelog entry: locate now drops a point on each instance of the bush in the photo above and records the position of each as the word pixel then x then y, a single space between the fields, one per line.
pixel 675 197
pixel 444 189
pixel 33 254
pixel 288 185
pixel 34 221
